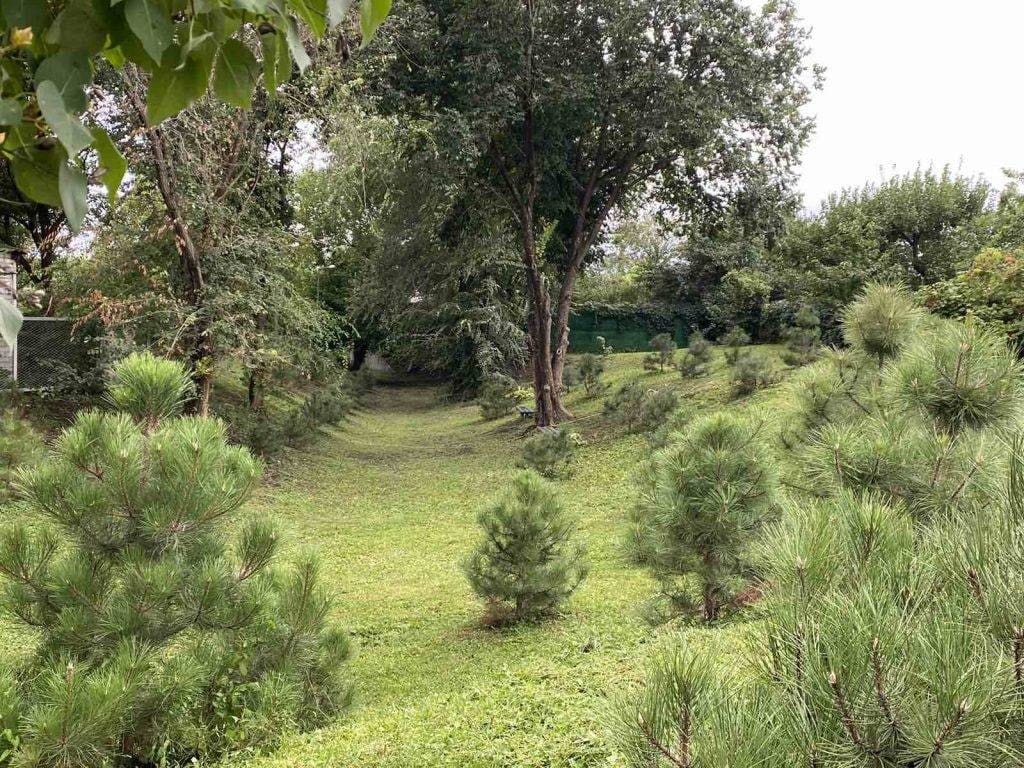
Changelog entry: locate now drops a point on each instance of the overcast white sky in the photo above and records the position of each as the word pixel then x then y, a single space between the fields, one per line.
pixel 914 81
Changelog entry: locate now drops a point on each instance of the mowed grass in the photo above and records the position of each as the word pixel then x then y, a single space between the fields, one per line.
pixel 389 503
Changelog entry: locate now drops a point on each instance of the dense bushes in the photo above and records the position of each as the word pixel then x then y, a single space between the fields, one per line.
pixel 267 432
pixel 889 629
pixel 529 561
pixel 639 409
pixel 160 638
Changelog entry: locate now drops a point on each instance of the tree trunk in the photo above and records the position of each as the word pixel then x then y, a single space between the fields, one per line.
pixel 201 356
pixel 545 392
pixel 255 390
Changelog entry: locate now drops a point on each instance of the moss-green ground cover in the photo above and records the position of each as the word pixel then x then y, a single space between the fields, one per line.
pixel 389 502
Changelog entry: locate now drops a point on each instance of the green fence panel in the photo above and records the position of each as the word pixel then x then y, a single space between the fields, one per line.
pixel 624 331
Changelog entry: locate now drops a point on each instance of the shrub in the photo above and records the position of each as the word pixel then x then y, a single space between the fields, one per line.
pixel 497 397
pixel 158 635
pixel 20 445
pixel 656 407
pixel 550 452
pixel 603 348
pixel 697 358
pixel 963 377
pixel 733 341
pixel 529 561
pixel 753 371
pixel 700 503
pixel 651 362
pixel 803 339
pixel 881 322
pixel 671 427
pixel 664 347
pixel 591 368
pixel 625 405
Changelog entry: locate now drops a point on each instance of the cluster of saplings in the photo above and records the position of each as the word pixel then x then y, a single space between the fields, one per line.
pixel 166 632
pixel 878 527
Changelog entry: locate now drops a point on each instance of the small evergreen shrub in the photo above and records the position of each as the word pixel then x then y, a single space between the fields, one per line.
pixel 529 561
pixel 734 341
pixel 753 371
pixel 700 502
pixel 603 348
pixel 671 427
pixel 656 408
pixel 550 452
pixel 664 347
pixel 591 368
pixel 881 322
pixel 20 446
pixel 803 339
pixel 164 629
pixel 497 397
pixel 696 361
pixel 625 405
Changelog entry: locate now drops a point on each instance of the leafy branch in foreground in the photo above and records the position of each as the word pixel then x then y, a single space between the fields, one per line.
pixel 48 58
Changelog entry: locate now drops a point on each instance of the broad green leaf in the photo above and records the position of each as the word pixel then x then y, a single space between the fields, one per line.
pixel 277 62
pixel 74 193
pixel 115 56
pixel 66 126
pixel 253 6
pixel 371 15
pixel 36 173
pixel 24 13
pixel 337 10
pixel 235 75
pixel 151 25
pixel 194 43
pixel 70 72
pixel 10 322
pixel 112 163
pixel 78 28
pixel 10 112
pixel 174 87
pixel 313 12
pixel 295 47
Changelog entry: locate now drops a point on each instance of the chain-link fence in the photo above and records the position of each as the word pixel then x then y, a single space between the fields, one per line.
pixel 49 352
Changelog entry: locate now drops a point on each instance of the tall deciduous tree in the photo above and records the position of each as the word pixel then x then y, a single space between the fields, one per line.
pixel 581 108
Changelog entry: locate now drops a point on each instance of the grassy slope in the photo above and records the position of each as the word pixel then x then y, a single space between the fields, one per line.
pixel 389 502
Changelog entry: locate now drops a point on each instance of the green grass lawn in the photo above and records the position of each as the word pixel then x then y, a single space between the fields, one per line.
pixel 389 502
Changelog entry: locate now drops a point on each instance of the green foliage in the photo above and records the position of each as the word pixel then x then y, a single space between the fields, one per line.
pixel 267 432
pixel 160 637
pixel 664 347
pixel 962 377
pixel 991 290
pixel 881 322
pixel 687 714
pixel 803 338
pixel 697 359
pixel 640 409
pixel 591 368
pixel 700 503
pixel 655 409
pixel 733 341
pixel 147 387
pixel 497 397
pixel 20 446
pixel 551 451
pixel 753 371
pixel 625 405
pixel 529 562
pixel 603 348
pixel 52 51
